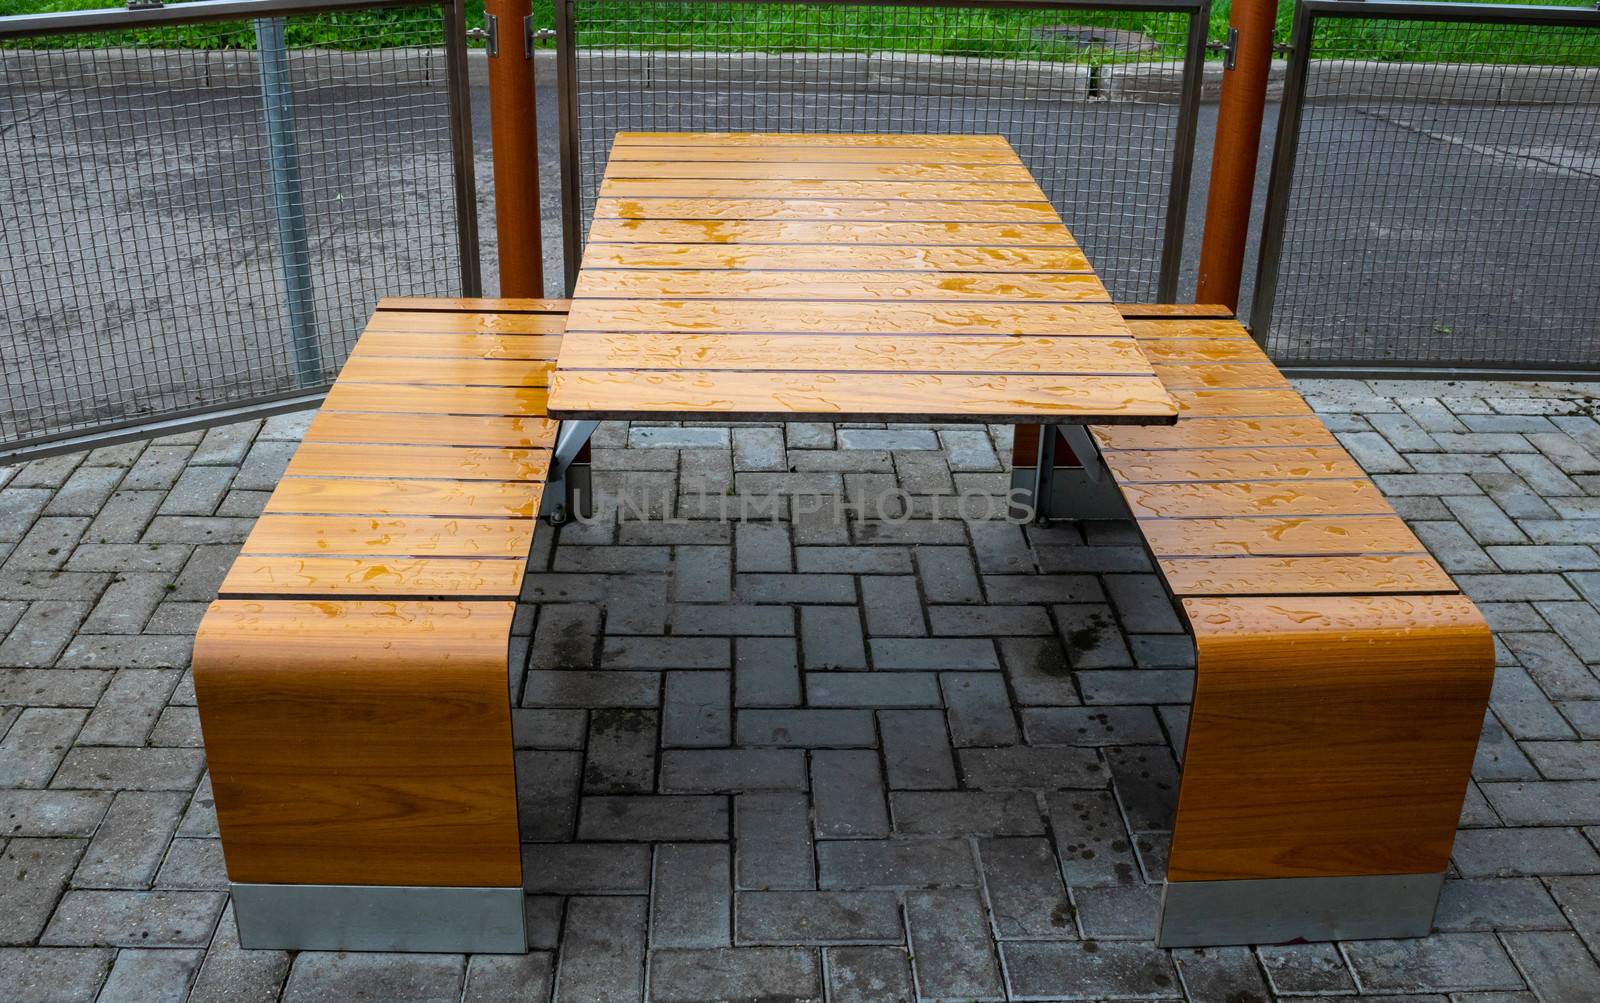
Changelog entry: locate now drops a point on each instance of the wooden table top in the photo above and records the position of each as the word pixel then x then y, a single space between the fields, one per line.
pixel 776 277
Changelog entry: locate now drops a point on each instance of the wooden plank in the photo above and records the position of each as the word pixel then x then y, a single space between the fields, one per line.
pixel 461 463
pixel 360 742
pixel 383 344
pixel 886 210
pixel 1329 736
pixel 835 285
pixel 1134 311
pixel 1181 350
pixel 836 257
pixel 1265 463
pixel 858 233
pixel 422 577
pixel 1221 376
pixel 954 191
pixel 788 140
pixel 1208 499
pixel 680 150
pixel 446 372
pixel 1212 329
pixel 1200 433
pixel 481 304
pixel 519 401
pixel 691 168
pixel 1093 320
pixel 1295 576
pixel 432 430
pixel 444 322
pixel 1240 403
pixel 856 397
pixel 366 536
pixel 854 353
pixel 1328 535
pixel 398 496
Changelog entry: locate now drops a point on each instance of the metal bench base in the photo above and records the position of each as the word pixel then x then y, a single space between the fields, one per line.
pixel 1278 910
pixel 380 918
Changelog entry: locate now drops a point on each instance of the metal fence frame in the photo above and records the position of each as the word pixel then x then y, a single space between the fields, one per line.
pixel 464 190
pixel 1184 139
pixel 1287 142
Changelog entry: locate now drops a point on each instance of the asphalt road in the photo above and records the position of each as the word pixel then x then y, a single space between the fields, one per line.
pixel 141 269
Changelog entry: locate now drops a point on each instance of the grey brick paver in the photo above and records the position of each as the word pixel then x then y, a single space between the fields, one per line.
pixel 952 953
pixel 397 978
pixel 702 719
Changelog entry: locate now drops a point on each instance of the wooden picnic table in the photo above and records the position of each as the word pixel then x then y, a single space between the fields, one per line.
pixel 774 277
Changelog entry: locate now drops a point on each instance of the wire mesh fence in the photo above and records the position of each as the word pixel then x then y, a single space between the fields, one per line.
pixel 1444 211
pixel 1092 97
pixel 202 215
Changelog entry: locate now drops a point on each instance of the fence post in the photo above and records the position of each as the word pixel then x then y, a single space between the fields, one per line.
pixel 288 198
pixel 1238 144
pixel 514 130
pixel 462 164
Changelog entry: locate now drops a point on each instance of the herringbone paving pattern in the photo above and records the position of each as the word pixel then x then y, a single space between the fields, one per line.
pixel 892 748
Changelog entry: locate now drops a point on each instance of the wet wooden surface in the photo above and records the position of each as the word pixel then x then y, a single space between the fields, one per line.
pixel 1341 679
pixel 853 278
pixel 351 677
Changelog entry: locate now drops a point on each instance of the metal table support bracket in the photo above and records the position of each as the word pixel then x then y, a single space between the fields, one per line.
pixel 569 489
pixel 1079 486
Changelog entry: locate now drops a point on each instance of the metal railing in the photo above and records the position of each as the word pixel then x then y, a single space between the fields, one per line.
pixel 204 201
pixel 1100 97
pixel 1435 214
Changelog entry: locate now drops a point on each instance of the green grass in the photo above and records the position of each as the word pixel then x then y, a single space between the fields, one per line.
pixel 777 27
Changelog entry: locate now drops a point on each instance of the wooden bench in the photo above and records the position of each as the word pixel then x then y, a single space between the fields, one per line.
pixel 1341 678
pixel 352 676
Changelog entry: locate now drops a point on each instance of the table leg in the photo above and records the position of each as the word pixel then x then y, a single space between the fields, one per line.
pixel 569 488
pixel 1057 473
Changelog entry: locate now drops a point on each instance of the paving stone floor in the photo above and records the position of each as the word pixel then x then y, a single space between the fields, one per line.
pixel 858 758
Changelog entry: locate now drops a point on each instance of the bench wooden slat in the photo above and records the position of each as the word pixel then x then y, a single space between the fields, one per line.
pixel 447 372
pixel 1051 234
pixel 672 284
pixel 461 463
pixel 1091 320
pixel 1210 499
pixel 395 496
pixel 410 345
pixel 432 430
pixel 1265 403
pixel 487 307
pixel 311 576
pixel 1179 351
pixel 390 536
pixel 691 168
pixel 1304 575
pixel 837 257
pixel 507 401
pixel 1221 376
pixel 846 353
pixel 1220 432
pixel 1280 537
pixel 794 188
pixel 870 210
pixel 444 322
pixel 1262 463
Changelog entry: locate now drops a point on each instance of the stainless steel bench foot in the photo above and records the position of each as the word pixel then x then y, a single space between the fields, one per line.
pixel 380 918
pixel 569 491
pixel 1277 910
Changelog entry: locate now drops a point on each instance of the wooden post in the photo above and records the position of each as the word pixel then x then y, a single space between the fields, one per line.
pixel 1233 159
pixel 516 150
